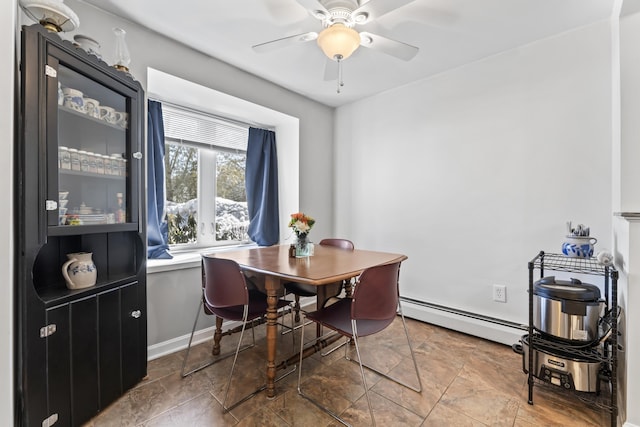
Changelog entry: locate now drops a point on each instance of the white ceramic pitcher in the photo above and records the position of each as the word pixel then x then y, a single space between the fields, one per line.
pixel 79 271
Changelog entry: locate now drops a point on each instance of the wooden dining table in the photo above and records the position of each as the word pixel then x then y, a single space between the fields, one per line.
pixel 326 266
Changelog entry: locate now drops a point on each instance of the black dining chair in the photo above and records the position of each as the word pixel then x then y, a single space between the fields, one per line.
pixel 375 304
pixel 225 295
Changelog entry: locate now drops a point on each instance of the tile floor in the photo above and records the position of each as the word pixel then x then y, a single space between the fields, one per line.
pixel 466 381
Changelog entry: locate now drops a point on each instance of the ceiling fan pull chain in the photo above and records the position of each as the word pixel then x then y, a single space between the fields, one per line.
pixel 340 82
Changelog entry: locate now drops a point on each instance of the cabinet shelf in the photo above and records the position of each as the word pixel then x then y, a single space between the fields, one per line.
pixel 67 110
pixel 58 293
pixel 91 175
pixel 72 230
pixel 591 352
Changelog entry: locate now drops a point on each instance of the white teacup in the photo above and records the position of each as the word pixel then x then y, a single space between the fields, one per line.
pixel 73 99
pixel 108 114
pixel 60 94
pixel 122 119
pixel 92 107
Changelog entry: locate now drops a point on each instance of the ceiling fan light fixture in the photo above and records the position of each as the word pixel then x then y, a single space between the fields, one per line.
pixel 338 41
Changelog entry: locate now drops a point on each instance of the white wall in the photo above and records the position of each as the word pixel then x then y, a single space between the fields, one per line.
pixel 7 51
pixel 472 172
pixel 172 300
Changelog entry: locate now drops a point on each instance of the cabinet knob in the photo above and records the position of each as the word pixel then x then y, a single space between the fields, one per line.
pixel 136 314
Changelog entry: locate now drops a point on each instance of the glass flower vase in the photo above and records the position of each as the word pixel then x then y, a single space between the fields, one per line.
pixel 302 246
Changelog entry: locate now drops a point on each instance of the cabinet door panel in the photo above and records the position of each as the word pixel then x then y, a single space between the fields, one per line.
pixel 133 350
pixel 59 372
pixel 109 345
pixel 84 359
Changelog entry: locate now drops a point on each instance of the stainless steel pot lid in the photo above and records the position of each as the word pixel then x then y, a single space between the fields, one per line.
pixel 573 289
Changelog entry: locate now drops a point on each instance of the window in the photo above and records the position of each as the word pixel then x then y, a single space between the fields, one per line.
pixel 205 161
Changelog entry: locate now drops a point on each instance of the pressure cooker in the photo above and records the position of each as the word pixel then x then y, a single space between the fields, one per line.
pixel 567 309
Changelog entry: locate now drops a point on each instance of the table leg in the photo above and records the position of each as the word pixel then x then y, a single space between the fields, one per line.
pixel 324 293
pixel 217 335
pixel 272 285
pixel 348 288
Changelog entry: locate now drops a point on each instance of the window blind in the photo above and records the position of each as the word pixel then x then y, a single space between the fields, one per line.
pixel 203 130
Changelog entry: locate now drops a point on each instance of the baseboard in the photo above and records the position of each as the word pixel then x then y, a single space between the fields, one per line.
pixel 173 345
pixel 179 343
pixel 470 323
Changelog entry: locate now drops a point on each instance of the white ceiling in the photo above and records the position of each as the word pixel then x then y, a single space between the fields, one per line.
pixel 449 33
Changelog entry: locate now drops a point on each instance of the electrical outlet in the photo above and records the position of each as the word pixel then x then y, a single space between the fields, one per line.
pixel 500 293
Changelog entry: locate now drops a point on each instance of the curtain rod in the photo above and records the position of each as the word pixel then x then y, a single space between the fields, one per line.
pixel 215 116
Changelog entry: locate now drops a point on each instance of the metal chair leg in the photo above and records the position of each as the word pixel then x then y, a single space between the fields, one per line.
pixel 226 408
pixel 310 399
pixel 364 380
pixel 413 357
pixel 362 366
pixel 217 359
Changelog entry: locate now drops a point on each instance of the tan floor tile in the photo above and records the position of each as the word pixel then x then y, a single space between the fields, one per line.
pixel 263 418
pixel 386 413
pixel 442 416
pixel 481 402
pixel 420 403
pixel 298 411
pixel 202 411
pixel 554 407
pixel 489 373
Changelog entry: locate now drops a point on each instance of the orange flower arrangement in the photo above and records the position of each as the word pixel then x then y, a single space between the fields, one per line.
pixel 301 224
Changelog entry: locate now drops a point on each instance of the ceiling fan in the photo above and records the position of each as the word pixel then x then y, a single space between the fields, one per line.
pixel 338 40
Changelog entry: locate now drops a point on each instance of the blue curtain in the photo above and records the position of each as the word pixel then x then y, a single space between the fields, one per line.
pixel 261 179
pixel 157 228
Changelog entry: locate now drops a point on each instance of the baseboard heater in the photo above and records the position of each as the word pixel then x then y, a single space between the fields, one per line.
pixel 470 323
pixel 479 325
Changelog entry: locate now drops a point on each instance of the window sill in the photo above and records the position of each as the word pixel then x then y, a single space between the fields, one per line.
pixel 187 259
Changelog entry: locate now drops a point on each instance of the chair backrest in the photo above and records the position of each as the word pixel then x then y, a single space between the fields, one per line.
pixel 376 295
pixel 338 243
pixel 223 283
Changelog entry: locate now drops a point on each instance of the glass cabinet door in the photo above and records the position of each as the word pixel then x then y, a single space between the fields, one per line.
pixel 93 152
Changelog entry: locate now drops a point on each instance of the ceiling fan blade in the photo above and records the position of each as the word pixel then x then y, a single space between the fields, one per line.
pixel 330 70
pixel 374 9
pixel 315 8
pixel 390 47
pixel 286 41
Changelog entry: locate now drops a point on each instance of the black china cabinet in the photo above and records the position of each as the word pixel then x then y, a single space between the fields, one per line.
pixel 78 346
